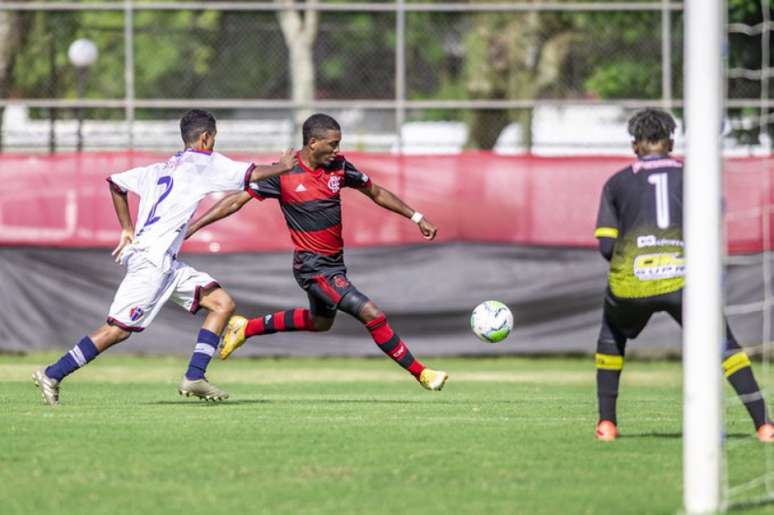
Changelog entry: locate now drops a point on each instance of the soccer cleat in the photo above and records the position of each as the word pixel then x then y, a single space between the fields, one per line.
pixel 49 388
pixel 433 379
pixel 201 388
pixel 233 337
pixel 765 433
pixel 606 431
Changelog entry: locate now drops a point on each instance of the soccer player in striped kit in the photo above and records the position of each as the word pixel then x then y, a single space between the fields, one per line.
pixel 169 194
pixel 309 197
pixel 640 231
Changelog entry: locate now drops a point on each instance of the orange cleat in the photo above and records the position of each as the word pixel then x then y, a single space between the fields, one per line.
pixel 765 433
pixel 606 431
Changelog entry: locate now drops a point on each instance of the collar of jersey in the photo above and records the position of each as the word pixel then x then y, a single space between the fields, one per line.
pixel 305 168
pixel 205 152
pixel 654 158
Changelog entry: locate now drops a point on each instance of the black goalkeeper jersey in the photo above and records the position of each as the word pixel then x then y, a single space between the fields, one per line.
pixel 642 208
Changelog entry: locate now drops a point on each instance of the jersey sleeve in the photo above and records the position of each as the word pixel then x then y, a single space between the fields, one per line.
pixel 266 188
pixel 130 180
pixel 228 174
pixel 607 218
pixel 354 178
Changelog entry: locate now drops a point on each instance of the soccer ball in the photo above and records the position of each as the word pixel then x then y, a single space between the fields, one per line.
pixel 491 321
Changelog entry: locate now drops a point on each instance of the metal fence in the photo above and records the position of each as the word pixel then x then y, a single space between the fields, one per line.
pixel 400 74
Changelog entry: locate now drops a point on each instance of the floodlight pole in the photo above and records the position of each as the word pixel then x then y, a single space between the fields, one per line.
pixel 82 54
pixel 703 321
pixel 81 72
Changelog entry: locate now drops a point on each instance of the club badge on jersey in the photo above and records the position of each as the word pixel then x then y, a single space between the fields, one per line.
pixel 334 183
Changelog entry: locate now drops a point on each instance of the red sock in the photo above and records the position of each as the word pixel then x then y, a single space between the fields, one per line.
pixel 393 346
pixel 298 319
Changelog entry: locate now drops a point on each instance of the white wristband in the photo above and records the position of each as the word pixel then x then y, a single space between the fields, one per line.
pixel 417 217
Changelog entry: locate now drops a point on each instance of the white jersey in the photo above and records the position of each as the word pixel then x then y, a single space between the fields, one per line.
pixel 169 194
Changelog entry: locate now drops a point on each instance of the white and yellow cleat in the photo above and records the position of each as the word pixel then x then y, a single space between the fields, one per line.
pixel 233 336
pixel 201 388
pixel 433 379
pixel 49 388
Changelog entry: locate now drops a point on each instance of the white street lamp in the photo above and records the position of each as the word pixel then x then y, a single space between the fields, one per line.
pixel 82 54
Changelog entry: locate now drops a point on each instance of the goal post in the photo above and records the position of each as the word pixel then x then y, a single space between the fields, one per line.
pixel 702 309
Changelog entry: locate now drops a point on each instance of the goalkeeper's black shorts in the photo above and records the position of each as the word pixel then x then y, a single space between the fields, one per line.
pixel 624 319
pixel 628 317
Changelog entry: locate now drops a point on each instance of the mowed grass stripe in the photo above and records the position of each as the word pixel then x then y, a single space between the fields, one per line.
pixel 107 373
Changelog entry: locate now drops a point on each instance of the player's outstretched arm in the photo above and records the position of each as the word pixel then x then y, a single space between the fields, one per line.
pixel 391 201
pixel 121 205
pixel 226 206
pixel 287 162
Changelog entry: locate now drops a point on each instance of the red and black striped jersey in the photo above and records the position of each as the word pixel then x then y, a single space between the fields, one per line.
pixel 311 202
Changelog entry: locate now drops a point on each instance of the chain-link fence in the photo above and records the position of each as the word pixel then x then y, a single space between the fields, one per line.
pixel 540 76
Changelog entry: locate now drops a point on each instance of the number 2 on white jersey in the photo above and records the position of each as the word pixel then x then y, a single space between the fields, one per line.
pixel 659 180
pixel 167 182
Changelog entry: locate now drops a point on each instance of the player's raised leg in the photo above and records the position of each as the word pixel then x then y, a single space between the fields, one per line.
pixel 362 308
pixel 88 348
pixel 240 328
pixel 318 318
pixel 221 306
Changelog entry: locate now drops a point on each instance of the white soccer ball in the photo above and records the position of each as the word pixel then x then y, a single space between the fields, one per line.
pixel 491 321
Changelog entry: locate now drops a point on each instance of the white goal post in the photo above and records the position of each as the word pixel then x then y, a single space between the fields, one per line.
pixel 703 322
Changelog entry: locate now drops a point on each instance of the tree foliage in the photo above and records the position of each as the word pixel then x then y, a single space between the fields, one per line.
pixel 486 56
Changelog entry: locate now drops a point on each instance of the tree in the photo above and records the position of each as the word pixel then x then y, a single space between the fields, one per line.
pixel 300 32
pixel 514 56
pixel 12 29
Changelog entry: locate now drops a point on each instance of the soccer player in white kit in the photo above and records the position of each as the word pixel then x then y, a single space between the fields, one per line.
pixel 169 194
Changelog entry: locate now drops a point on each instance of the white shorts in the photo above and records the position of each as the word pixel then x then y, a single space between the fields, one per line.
pixel 146 288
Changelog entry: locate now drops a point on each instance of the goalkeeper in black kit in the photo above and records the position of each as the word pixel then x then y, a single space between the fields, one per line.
pixel 640 231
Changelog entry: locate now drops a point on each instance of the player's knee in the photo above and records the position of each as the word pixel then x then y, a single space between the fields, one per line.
pixel 108 335
pixel 228 306
pixel 320 324
pixel 220 302
pixel 369 312
pixel 118 335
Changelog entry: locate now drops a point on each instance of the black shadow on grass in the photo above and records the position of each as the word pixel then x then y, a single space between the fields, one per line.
pixel 326 401
pixel 657 434
pixel 207 403
pixel 749 505
pixel 392 401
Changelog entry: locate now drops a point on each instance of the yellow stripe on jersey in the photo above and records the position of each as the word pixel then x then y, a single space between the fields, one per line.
pixel 735 362
pixel 609 361
pixel 606 232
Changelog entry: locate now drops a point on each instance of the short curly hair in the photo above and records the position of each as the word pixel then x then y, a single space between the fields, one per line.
pixel 652 125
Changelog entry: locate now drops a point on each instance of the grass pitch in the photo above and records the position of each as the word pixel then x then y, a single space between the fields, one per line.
pixel 510 435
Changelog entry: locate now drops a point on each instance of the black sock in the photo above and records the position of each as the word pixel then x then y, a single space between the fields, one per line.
pixel 608 375
pixel 740 375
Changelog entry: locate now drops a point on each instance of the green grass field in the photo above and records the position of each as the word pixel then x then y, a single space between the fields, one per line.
pixel 509 435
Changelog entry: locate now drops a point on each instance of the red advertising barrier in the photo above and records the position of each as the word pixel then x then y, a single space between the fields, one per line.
pixel 63 200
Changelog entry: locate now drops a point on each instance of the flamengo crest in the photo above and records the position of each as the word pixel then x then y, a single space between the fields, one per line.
pixel 334 183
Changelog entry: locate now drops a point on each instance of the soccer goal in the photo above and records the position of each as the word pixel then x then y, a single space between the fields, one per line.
pixel 711 480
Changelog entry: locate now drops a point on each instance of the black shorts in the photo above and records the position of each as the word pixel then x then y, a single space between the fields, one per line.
pixel 628 317
pixel 624 319
pixel 324 279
